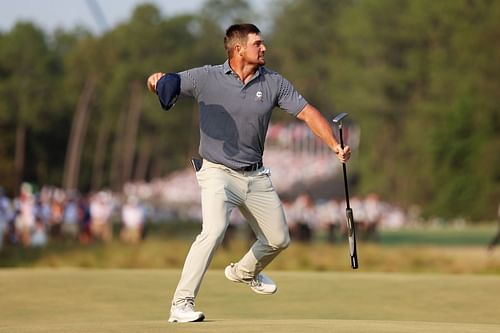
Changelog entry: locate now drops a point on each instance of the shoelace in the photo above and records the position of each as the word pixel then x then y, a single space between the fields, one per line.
pixel 186 304
pixel 257 281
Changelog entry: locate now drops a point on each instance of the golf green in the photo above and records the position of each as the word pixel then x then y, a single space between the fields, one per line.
pixel 79 300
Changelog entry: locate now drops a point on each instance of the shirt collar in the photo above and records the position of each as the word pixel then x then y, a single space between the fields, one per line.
pixel 228 70
pixel 226 67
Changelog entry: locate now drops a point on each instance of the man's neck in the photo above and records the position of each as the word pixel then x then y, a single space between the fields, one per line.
pixel 245 71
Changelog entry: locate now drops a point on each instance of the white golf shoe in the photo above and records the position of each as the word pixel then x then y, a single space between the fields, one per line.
pixel 183 312
pixel 261 284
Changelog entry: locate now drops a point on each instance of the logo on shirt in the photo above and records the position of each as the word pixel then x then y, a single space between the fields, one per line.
pixel 258 96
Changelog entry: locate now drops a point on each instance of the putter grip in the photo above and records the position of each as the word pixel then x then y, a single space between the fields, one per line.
pixel 352 238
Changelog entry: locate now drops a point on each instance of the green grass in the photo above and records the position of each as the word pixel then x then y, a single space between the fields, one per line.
pixel 170 253
pixel 53 290
pixel 440 236
pixel 429 250
pixel 78 300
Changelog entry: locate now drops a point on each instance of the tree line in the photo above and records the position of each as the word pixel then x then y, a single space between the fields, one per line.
pixel 420 79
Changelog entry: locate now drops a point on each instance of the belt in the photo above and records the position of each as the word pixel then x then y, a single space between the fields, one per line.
pixel 252 167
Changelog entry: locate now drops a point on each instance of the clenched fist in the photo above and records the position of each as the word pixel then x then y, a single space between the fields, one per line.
pixel 152 80
pixel 343 154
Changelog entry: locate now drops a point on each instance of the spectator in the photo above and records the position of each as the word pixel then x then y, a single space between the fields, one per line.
pixel 85 220
pixel 42 208
pixel 133 219
pixel 25 219
pixel 292 217
pixel 100 212
pixel 57 213
pixel 6 215
pixel 373 213
pixel 307 221
pixel 330 218
pixel 39 235
pixel 394 218
pixel 70 225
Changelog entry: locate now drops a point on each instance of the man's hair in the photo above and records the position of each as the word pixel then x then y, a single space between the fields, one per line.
pixel 238 33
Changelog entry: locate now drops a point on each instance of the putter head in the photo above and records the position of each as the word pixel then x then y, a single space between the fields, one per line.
pixel 338 119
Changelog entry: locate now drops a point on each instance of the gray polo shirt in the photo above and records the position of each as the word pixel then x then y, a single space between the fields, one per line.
pixel 234 116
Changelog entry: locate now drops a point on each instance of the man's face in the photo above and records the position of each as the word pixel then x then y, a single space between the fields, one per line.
pixel 254 50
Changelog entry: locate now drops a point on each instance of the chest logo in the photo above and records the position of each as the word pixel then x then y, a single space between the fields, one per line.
pixel 258 96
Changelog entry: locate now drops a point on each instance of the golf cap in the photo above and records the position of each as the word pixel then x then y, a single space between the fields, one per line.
pixel 168 89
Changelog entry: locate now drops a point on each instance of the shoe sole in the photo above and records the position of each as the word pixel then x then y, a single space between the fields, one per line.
pixel 174 320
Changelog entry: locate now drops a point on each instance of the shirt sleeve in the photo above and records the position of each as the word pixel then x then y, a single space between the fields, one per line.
pixel 289 98
pixel 192 80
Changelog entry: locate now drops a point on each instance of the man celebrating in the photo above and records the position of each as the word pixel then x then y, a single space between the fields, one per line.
pixel 235 101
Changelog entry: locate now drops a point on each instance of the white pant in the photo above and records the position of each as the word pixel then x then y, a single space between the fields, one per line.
pixel 223 189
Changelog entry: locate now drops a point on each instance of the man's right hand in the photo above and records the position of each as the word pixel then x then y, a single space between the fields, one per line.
pixel 152 80
pixel 343 154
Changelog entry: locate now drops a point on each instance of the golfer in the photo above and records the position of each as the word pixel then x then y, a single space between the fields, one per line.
pixel 235 101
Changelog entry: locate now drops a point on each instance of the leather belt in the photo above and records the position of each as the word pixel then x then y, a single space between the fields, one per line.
pixel 252 167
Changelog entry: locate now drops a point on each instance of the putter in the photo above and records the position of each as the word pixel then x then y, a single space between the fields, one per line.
pixel 351 230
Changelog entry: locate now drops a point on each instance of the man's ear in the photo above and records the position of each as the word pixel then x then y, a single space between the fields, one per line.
pixel 238 49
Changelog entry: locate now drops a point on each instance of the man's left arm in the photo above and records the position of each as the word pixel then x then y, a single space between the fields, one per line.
pixel 322 129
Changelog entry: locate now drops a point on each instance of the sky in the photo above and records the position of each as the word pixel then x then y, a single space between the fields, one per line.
pixel 66 14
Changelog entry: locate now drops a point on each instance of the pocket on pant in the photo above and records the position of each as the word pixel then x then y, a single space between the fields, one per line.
pixel 212 179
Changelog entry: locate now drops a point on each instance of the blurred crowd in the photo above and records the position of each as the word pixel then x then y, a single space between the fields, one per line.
pixel 296 159
pixel 35 217
pixel 312 220
pixel 308 218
